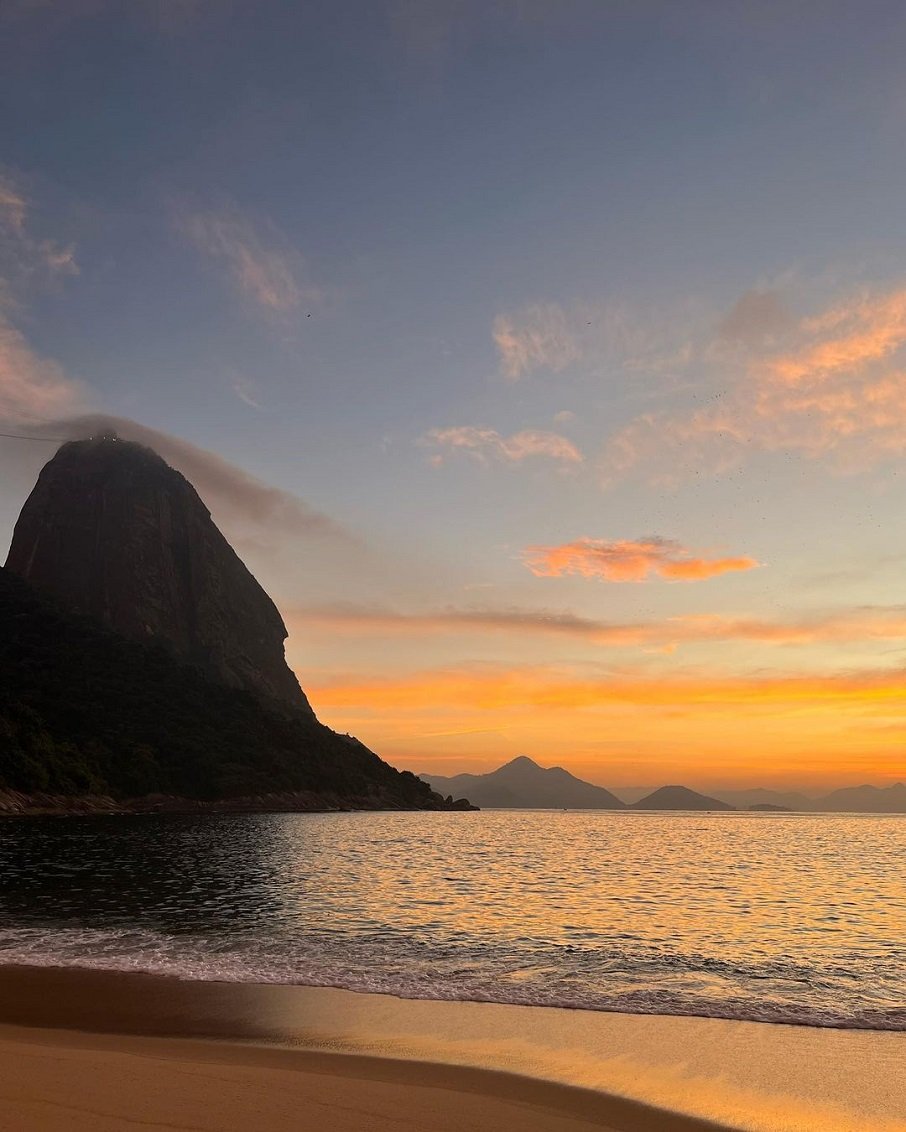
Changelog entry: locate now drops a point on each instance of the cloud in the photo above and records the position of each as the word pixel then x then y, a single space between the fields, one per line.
pixel 13 207
pixel 851 625
pixel 37 397
pixel 31 387
pixel 257 258
pixel 537 337
pixel 629 561
pixel 485 444
pixel 836 392
pixel 246 392
pixel 229 490
pixel 370 620
pixel 24 260
pixel 756 317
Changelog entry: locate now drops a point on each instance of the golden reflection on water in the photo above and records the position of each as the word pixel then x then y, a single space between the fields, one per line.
pixel 795 908
pixel 769 881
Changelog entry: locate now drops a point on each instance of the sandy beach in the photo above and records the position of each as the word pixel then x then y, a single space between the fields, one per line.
pixel 109 1051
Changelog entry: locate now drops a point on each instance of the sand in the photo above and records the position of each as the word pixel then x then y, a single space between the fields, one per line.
pixel 103 1051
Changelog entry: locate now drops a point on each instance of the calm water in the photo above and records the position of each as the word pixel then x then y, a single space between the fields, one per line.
pixel 775 917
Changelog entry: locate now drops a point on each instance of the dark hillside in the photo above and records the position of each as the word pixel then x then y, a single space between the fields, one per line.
pixel 84 711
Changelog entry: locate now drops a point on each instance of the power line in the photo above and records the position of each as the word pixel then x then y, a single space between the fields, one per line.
pixel 46 439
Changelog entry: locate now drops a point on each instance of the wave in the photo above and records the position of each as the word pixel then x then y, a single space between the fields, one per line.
pixel 790 994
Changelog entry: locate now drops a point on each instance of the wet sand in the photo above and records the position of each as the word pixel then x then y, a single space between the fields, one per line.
pixel 101 1050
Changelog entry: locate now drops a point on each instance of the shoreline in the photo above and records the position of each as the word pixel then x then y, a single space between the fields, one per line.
pixel 629 1073
pixel 14 804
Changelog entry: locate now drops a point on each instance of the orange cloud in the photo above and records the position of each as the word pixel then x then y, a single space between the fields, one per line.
pixel 860 332
pixel 629 561
pixel 485 444
pixel 837 393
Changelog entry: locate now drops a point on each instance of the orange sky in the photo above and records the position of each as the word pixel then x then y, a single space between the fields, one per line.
pixel 707 730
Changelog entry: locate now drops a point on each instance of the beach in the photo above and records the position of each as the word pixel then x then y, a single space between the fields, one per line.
pixel 83 1049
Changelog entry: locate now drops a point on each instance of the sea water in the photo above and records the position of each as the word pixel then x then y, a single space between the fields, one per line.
pixel 773 917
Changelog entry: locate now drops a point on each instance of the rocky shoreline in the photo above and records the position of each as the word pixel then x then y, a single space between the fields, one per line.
pixel 15 804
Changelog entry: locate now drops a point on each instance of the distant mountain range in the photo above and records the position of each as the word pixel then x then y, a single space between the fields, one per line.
pixel 523 784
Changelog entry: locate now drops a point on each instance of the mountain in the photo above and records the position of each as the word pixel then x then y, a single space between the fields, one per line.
pixel 523 784
pixel 679 798
pixel 865 800
pixel 111 531
pixel 184 702
pixel 748 799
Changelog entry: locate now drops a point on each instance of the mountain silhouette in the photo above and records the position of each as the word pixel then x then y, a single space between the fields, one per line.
pixel 679 798
pixel 864 800
pixel 112 531
pixel 523 784
pixel 142 666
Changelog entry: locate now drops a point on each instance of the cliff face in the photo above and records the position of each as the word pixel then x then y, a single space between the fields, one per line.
pixel 112 531
pixel 93 722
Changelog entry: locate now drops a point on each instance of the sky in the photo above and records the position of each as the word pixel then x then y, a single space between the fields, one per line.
pixel 545 360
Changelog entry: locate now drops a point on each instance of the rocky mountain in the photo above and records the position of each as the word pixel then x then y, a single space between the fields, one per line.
pixel 142 667
pixel 523 784
pixel 111 531
pixel 679 798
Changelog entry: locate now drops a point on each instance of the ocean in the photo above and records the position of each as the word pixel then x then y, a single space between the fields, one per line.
pixel 768 917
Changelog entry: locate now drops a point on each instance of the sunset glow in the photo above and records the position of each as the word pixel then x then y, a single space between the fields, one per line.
pixel 554 388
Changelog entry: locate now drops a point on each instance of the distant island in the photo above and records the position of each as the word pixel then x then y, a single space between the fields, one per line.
pixel 142 666
pixel 523 784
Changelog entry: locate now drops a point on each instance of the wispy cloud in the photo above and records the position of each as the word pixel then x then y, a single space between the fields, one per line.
pixel 13 208
pixel 246 392
pixel 31 387
pixel 37 396
pixel 835 391
pixel 485 445
pixel 599 338
pixel 259 260
pixel 537 337
pixel 628 560
pixel 26 261
pixel 850 625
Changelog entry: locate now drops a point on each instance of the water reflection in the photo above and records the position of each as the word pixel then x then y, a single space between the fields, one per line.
pixel 793 916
